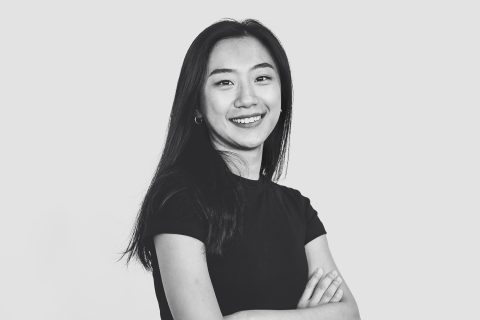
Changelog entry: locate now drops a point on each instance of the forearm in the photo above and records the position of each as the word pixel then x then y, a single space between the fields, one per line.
pixel 329 311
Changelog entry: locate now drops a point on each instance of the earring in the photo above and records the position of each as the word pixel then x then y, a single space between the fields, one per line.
pixel 198 120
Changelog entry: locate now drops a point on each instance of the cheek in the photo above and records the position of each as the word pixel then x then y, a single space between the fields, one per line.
pixel 216 104
pixel 273 97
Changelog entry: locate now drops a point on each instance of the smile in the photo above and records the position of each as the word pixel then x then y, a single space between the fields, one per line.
pixel 247 120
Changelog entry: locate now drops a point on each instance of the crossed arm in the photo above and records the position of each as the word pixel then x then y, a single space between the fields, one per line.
pixel 191 295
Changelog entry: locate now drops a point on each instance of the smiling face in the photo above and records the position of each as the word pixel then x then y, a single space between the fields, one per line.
pixel 241 96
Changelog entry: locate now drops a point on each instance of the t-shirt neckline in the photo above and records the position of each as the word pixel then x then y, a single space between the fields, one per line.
pixel 249 182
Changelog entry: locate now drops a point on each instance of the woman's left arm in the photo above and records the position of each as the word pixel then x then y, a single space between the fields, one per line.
pixel 318 255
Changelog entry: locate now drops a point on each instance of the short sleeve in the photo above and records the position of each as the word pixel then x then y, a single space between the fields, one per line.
pixel 178 215
pixel 314 227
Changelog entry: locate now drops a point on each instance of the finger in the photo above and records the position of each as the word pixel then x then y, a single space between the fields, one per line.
pixel 328 295
pixel 337 296
pixel 321 287
pixel 311 284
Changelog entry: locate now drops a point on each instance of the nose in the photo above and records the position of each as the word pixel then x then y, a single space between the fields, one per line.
pixel 246 96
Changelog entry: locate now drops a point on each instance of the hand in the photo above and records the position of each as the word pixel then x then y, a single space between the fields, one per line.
pixel 321 290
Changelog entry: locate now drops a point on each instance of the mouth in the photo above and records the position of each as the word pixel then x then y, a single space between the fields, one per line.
pixel 251 118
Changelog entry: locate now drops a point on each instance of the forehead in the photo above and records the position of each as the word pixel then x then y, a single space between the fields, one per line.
pixel 238 53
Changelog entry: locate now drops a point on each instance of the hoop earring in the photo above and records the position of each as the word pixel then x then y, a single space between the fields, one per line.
pixel 198 120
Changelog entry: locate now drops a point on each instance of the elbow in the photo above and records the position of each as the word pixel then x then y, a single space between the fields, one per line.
pixel 349 311
pixel 354 312
pixel 355 315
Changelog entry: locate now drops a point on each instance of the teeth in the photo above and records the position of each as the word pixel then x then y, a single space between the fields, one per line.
pixel 247 120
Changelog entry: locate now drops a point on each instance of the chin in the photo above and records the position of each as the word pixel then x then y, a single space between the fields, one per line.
pixel 250 145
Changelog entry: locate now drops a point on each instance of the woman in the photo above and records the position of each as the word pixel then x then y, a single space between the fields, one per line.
pixel 223 240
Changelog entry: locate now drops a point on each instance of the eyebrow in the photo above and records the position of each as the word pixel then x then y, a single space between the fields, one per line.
pixel 257 66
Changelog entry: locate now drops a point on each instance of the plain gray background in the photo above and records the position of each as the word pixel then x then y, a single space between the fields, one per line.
pixel 385 143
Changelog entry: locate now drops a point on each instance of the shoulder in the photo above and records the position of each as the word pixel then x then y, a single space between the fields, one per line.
pixel 175 178
pixel 172 185
pixel 174 196
pixel 175 209
pixel 290 193
pixel 179 195
pixel 293 198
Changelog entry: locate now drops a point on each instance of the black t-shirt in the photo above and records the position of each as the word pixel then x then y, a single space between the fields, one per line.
pixel 267 268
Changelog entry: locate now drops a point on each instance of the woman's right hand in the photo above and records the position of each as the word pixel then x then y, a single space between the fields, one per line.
pixel 321 289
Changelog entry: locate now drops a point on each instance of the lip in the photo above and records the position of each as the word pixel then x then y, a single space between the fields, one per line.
pixel 251 124
pixel 249 116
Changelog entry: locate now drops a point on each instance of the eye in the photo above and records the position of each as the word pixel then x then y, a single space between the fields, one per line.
pixel 263 78
pixel 223 83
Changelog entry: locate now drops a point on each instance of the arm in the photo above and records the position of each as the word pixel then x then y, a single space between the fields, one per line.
pixel 318 255
pixel 186 281
pixel 321 312
pixel 189 290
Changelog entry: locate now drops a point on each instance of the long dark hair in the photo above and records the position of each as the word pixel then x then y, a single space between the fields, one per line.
pixel 189 155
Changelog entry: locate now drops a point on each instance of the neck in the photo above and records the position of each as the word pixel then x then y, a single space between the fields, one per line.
pixel 249 164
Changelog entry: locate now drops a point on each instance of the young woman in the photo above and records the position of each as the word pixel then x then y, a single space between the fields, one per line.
pixel 222 238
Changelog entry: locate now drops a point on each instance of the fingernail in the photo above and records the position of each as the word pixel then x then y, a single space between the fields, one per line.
pixel 334 273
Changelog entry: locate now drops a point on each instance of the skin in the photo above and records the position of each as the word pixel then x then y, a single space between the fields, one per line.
pixel 244 90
